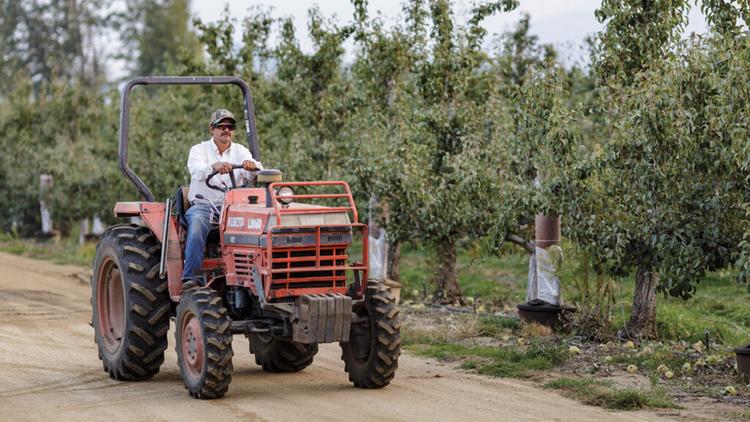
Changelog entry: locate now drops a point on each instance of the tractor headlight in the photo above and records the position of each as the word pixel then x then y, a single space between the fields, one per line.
pixel 285 195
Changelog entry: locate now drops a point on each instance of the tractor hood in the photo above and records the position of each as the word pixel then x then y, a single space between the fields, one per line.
pixel 317 219
pixel 250 225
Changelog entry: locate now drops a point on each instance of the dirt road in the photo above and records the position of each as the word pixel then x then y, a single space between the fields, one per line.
pixel 49 370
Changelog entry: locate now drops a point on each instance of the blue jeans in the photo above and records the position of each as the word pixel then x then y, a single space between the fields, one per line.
pixel 198 218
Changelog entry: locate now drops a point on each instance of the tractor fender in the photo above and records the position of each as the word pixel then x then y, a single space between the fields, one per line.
pixel 152 214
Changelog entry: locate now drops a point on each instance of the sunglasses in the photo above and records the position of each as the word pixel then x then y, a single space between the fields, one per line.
pixel 222 127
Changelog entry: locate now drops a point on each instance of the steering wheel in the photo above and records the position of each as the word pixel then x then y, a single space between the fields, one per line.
pixel 231 177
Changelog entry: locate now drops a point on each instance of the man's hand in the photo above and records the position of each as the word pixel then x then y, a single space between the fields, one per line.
pixel 222 167
pixel 248 165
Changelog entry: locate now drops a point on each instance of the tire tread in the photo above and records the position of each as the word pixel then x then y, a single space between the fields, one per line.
pixel 385 340
pixel 214 381
pixel 134 248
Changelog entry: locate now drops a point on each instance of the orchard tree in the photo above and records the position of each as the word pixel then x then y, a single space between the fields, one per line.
pixel 52 40
pixel 424 142
pixel 730 50
pixel 302 101
pixel 249 60
pixel 19 111
pixel 312 91
pixel 535 151
pixel 69 133
pixel 661 192
pixel 155 33
pixel 383 60
pixel 638 36
pixel 531 91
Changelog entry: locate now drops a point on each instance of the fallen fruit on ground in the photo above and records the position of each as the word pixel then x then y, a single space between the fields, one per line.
pixel 632 369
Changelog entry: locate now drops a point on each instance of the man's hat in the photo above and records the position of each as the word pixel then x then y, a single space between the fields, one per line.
pixel 222 114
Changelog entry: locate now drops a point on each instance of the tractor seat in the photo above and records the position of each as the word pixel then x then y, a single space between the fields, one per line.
pixel 181 204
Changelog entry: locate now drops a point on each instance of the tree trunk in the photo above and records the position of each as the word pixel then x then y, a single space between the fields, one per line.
pixel 448 290
pixel 643 317
pixel 394 255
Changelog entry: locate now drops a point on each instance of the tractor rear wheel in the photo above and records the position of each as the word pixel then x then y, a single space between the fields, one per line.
pixel 130 303
pixel 276 355
pixel 204 343
pixel 371 354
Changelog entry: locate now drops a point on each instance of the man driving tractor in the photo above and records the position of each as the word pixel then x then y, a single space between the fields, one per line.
pixel 215 154
pixel 278 269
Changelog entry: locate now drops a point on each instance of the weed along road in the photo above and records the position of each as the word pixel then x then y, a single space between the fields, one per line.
pixel 49 370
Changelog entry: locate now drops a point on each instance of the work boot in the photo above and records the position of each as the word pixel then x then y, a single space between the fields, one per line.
pixel 193 283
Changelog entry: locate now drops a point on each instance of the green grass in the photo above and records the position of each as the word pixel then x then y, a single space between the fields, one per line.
pixel 719 309
pixel 61 251
pixel 496 325
pixel 491 360
pixel 491 278
pixel 604 394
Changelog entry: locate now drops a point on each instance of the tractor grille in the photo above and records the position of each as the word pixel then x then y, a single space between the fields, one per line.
pixel 316 274
pixel 242 264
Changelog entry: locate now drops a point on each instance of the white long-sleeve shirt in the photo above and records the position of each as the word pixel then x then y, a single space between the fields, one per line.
pixel 200 161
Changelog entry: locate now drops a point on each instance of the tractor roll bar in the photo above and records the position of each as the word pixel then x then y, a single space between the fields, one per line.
pixel 252 134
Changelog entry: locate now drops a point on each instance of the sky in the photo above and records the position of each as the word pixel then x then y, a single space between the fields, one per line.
pixel 563 23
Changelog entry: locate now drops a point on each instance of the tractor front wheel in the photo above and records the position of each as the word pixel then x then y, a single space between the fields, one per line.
pixel 371 354
pixel 204 343
pixel 276 355
pixel 130 303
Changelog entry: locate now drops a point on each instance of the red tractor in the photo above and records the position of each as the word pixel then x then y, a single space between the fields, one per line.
pixel 277 269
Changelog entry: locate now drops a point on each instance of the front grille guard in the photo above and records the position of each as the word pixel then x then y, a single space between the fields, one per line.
pixel 358 269
pixel 323 266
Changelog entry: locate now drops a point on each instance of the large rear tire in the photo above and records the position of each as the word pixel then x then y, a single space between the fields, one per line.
pixel 276 355
pixel 371 354
pixel 203 337
pixel 130 303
